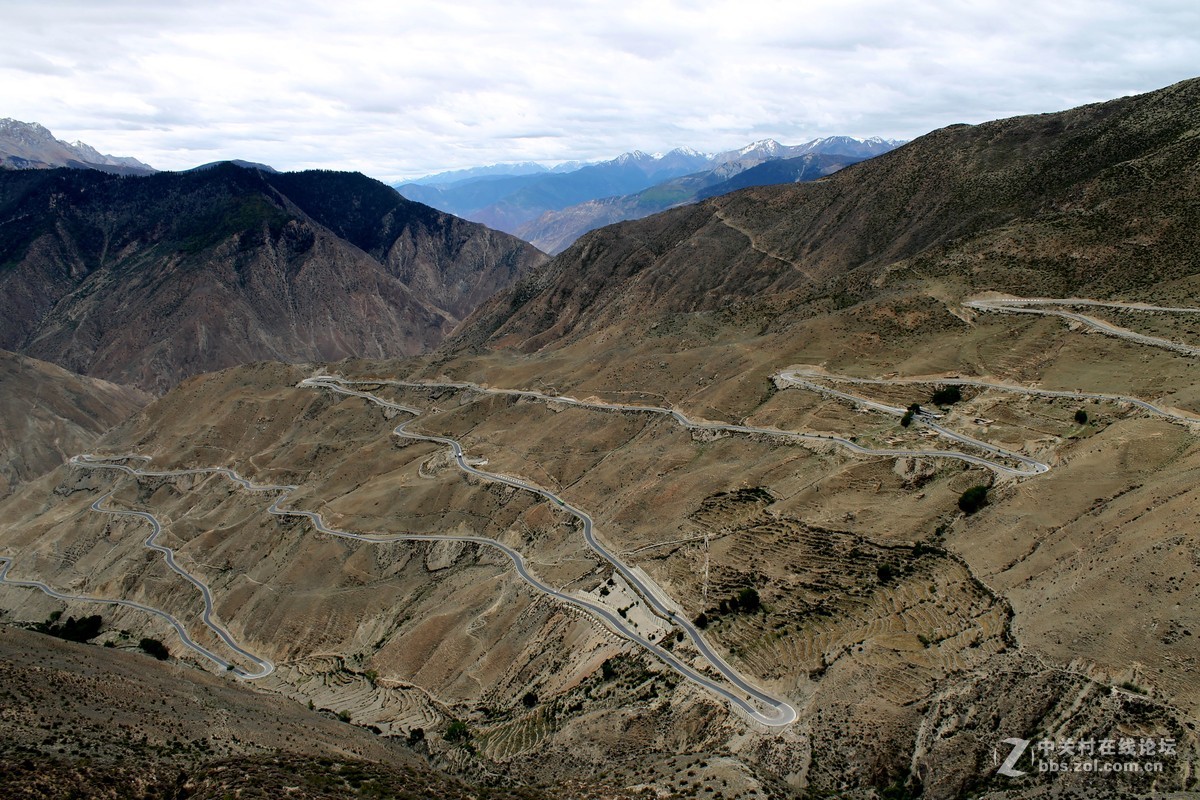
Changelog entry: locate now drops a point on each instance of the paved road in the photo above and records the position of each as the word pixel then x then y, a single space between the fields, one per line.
pixel 1020 305
pixel 1028 466
pixel 6 564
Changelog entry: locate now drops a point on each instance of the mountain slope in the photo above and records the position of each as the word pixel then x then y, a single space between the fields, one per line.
pixel 147 280
pixel 1066 191
pixel 126 726
pixel 48 415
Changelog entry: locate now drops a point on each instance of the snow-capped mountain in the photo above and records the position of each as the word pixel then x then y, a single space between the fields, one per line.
pixel 511 201
pixel 28 145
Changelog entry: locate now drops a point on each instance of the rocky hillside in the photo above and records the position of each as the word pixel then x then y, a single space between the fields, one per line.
pixel 95 723
pixel 147 280
pixel 48 415
pixel 1099 200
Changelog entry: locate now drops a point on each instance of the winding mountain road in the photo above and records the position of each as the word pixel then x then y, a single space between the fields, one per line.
pixel 1029 466
pixel 754 702
pixel 779 712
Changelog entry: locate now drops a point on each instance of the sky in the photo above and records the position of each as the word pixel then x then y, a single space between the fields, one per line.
pixel 403 88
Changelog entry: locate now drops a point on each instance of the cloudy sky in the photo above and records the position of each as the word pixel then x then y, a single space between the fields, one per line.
pixel 403 88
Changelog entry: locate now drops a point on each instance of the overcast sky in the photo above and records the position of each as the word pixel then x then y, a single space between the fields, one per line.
pixel 399 89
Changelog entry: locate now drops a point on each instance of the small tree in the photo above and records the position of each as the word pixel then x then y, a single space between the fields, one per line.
pixel 973 499
pixel 530 699
pixel 907 419
pixel 1081 417
pixel 701 621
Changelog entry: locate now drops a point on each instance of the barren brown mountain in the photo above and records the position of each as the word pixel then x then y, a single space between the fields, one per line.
pixel 146 280
pixel 48 415
pixel 917 589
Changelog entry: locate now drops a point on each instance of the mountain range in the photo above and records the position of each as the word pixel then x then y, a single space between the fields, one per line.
pixel 555 231
pixel 28 145
pixel 551 209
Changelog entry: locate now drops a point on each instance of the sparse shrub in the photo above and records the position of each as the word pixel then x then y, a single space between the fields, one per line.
pixel 416 735
pixel 344 715
pixel 973 499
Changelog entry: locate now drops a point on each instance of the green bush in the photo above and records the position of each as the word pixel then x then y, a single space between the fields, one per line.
pixel 73 630
pixel 1081 417
pixel 457 732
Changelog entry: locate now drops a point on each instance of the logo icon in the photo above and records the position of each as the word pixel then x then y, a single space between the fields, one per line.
pixel 1009 766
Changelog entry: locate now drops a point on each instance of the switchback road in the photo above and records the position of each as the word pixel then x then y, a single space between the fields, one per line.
pixel 778 712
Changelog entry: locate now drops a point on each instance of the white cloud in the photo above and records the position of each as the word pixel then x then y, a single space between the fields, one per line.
pixel 404 88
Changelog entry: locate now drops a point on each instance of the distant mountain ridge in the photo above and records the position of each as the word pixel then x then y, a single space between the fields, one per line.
pixel 555 231
pixel 28 145
pixel 237 162
pixel 514 202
